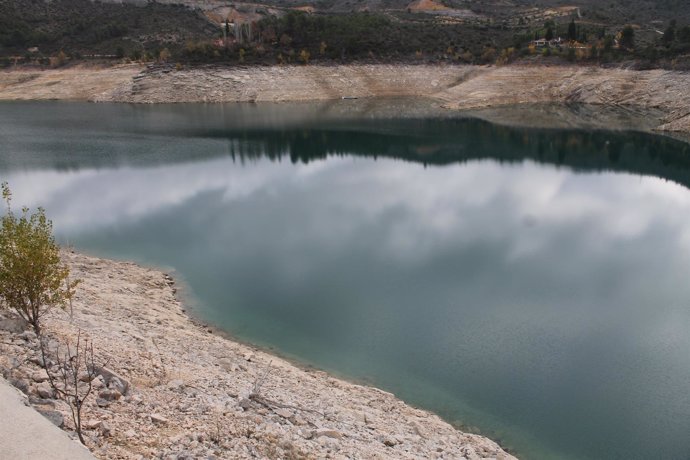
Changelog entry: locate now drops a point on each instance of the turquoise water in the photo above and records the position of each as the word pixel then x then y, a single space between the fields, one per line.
pixel 529 283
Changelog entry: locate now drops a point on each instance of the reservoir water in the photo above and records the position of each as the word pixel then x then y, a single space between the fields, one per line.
pixel 529 284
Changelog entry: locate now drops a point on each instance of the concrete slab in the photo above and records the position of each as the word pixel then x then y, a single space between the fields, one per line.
pixel 27 435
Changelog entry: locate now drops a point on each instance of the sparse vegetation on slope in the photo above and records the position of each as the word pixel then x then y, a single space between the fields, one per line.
pixel 81 28
pixel 61 31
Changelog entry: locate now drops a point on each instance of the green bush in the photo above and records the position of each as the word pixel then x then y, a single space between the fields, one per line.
pixel 33 279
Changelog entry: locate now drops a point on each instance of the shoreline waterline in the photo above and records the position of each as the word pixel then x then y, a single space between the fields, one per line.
pixel 184 381
pixel 192 309
pixel 456 87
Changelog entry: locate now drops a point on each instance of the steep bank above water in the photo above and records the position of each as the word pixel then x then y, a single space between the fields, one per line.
pixel 189 394
pixel 457 87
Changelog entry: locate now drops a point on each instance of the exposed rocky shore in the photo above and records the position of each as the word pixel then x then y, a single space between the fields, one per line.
pixel 456 87
pixel 172 389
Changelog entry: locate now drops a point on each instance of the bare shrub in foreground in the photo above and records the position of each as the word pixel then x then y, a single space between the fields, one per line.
pixel 72 381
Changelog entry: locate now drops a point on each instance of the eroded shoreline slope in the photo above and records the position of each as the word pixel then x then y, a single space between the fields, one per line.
pixel 456 87
pixel 189 390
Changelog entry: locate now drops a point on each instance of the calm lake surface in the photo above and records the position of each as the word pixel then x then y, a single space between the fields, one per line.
pixel 530 283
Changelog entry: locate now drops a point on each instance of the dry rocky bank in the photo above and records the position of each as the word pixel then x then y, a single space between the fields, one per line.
pixel 174 390
pixel 456 87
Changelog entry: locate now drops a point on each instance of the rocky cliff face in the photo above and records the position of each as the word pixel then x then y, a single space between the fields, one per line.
pixel 456 87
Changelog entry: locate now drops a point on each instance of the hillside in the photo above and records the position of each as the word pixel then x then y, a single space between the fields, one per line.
pixel 291 31
pixel 84 28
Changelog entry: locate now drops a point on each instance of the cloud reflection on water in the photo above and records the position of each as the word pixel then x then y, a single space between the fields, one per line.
pixel 545 305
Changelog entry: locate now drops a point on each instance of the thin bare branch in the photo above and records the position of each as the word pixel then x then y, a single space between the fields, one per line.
pixel 65 379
